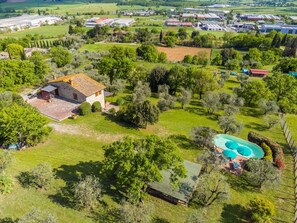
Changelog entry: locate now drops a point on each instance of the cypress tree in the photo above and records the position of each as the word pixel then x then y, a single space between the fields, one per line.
pixel 70 30
pixel 161 36
pixel 284 40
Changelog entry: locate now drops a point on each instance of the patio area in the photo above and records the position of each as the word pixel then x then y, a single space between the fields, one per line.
pixel 235 165
pixel 56 108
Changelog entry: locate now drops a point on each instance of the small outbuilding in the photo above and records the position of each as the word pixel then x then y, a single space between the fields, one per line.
pixel 182 194
pixel 293 73
pixel 258 73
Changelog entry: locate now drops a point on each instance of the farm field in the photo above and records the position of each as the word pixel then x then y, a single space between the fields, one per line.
pixel 45 31
pixel 70 7
pixel 178 53
pixel 80 152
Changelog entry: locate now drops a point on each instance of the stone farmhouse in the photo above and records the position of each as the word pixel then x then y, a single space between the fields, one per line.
pixel 60 98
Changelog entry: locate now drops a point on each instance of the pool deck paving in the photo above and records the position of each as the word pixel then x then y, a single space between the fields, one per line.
pixel 228 166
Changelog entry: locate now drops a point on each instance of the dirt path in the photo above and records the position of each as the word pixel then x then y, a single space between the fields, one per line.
pixel 82 130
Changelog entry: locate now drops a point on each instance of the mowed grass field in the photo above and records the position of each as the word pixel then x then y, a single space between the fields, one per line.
pixel 80 153
pixel 106 46
pixel 45 31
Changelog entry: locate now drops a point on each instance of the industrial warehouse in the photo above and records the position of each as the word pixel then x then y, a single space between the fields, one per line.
pixel 122 22
pixel 26 21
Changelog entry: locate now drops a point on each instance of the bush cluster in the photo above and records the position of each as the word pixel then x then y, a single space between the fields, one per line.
pixel 277 150
pixel 96 107
pixel 267 151
pixel 84 108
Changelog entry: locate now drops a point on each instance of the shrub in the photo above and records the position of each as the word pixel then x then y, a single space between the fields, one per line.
pixel 279 163
pixel 96 107
pixel 38 216
pixel 84 108
pixel 40 177
pixel 277 150
pixel 112 111
pixel 87 192
pixel 5 160
pixel 6 184
pixel 267 151
pixel 261 210
pixel 120 101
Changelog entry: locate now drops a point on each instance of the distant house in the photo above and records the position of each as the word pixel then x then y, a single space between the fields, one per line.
pixel 29 51
pixel 77 87
pixel 258 73
pixel 182 194
pixel 4 55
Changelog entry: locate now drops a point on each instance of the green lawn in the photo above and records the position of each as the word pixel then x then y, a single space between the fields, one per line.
pixel 106 46
pixel 78 154
pixel 61 8
pixel 45 31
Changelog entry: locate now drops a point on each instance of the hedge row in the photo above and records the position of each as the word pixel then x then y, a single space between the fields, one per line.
pixel 277 150
pixel 267 151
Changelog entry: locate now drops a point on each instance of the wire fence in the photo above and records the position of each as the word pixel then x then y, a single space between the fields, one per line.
pixel 293 147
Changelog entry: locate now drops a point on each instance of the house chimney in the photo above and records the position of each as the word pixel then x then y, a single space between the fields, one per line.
pixel 71 82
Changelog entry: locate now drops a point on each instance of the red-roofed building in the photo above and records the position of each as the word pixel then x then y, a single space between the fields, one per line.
pixel 188 24
pixel 258 73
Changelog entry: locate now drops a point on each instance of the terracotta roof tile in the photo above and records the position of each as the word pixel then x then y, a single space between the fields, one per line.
pixel 81 82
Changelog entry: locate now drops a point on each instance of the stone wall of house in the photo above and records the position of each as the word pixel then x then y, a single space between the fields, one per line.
pixel 93 98
pixel 67 91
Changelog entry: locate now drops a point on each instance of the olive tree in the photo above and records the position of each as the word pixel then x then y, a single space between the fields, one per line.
pixel 202 136
pixel 40 177
pixel 211 187
pixel 38 216
pixel 166 101
pixel 135 213
pixel 211 101
pixel 229 124
pixel 261 172
pixel 87 192
pixel 268 106
pixel 197 216
pixel 184 97
pixel 141 92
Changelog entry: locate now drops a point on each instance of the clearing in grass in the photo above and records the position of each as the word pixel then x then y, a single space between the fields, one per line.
pixel 178 53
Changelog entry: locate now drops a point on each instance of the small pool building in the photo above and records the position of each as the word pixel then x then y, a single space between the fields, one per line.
pixel 181 195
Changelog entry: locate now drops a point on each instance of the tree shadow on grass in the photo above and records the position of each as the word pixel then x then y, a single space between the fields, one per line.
pixel 256 126
pixel 116 120
pixel 234 213
pixel 71 174
pixel 8 220
pixel 241 183
pixel 160 220
pixel 183 142
pixel 202 112
pixel 107 215
pixel 252 112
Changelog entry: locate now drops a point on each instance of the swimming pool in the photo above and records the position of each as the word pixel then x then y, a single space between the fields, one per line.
pixel 220 140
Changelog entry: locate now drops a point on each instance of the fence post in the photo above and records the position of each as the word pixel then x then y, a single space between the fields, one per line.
pixel 291 143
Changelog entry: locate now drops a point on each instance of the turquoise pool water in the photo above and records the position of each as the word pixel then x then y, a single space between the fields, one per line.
pixel 221 139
